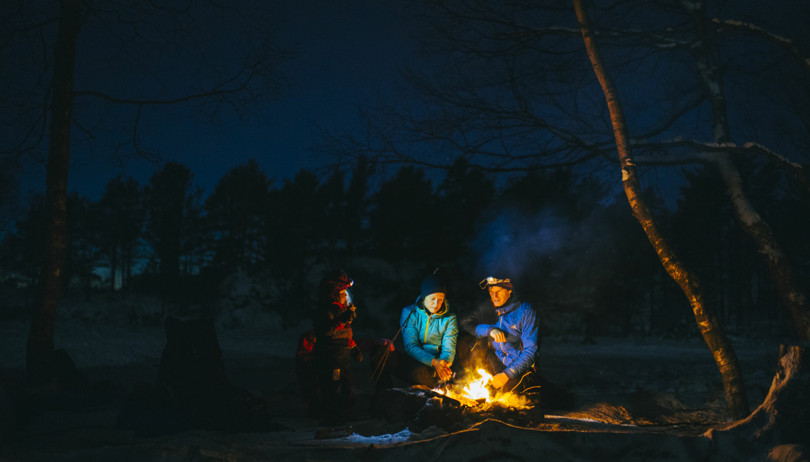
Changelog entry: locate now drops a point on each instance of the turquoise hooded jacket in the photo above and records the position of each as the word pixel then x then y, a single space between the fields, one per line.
pixel 427 336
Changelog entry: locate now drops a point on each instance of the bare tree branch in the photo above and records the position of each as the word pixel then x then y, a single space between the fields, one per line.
pixel 729 25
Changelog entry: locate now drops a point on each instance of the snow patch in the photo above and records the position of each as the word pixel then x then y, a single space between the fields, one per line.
pixel 381 440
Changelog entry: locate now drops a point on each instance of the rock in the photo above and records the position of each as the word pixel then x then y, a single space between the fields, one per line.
pixel 192 389
pixel 789 453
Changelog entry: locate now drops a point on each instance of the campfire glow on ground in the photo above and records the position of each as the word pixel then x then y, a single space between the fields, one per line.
pixel 477 392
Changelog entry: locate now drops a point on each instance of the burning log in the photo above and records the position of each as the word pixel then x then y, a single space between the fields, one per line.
pixel 420 407
pixel 477 392
pixel 453 406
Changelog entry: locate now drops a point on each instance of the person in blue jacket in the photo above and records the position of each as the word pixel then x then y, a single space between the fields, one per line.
pixel 506 337
pixel 429 334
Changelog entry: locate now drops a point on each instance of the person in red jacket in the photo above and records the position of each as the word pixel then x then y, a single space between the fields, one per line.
pixel 334 346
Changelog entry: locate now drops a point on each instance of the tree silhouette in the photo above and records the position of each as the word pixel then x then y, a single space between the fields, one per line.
pixel 149 56
pixel 40 339
pixel 709 325
pixel 82 254
pixel 461 197
pixel 235 214
pixel 9 192
pixel 333 234
pixel 173 227
pixel 404 218
pixel 357 206
pixel 22 251
pixel 119 227
pixel 293 222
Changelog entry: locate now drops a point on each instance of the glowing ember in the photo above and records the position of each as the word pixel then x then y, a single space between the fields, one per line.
pixel 478 392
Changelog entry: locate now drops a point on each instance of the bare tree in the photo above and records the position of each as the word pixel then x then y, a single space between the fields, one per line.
pixel 710 73
pixel 700 45
pixel 493 87
pixel 134 57
pixel 40 338
pixel 710 327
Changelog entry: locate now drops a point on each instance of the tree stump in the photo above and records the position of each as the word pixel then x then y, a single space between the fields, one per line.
pixel 780 422
pixel 192 389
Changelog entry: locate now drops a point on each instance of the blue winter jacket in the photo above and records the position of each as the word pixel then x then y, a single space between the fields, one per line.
pixel 428 336
pixel 519 322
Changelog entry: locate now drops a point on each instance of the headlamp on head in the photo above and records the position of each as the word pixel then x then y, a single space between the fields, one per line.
pixel 493 281
pixel 342 281
pixel 343 284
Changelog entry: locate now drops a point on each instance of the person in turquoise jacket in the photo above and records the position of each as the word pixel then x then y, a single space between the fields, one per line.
pixel 429 334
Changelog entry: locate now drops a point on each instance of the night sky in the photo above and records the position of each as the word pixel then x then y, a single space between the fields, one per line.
pixel 344 54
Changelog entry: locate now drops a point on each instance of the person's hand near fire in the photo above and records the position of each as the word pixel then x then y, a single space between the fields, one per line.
pixel 442 368
pixel 498 380
pixel 386 343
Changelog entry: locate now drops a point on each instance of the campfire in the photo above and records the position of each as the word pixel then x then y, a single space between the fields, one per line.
pixel 476 392
pixel 452 406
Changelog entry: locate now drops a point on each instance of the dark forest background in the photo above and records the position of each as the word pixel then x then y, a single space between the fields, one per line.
pixel 254 247
pixel 493 153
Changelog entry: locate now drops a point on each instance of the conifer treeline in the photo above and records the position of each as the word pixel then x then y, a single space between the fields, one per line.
pixel 577 251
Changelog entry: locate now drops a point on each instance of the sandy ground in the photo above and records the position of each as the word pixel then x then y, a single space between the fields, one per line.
pixel 638 399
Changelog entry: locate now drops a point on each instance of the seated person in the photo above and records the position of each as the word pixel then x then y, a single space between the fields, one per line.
pixel 504 338
pixel 429 333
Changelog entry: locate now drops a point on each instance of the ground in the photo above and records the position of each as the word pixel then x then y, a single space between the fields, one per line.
pixel 637 399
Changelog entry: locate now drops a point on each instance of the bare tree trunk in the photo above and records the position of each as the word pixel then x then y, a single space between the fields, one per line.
pixel 793 299
pixel 113 266
pixel 126 271
pixel 779 424
pixel 779 266
pixel 40 338
pixel 709 326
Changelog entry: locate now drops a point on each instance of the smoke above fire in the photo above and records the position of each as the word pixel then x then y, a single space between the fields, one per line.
pixel 511 241
pixel 551 257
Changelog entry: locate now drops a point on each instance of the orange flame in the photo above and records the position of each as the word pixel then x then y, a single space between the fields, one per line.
pixel 477 389
pixel 478 393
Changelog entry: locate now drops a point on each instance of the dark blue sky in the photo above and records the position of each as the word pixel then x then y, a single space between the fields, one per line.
pixel 346 53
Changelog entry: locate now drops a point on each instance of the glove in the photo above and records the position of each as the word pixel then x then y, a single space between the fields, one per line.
pixel 356 354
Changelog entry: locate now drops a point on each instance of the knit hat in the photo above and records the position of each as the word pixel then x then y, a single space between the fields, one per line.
pixel 431 285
